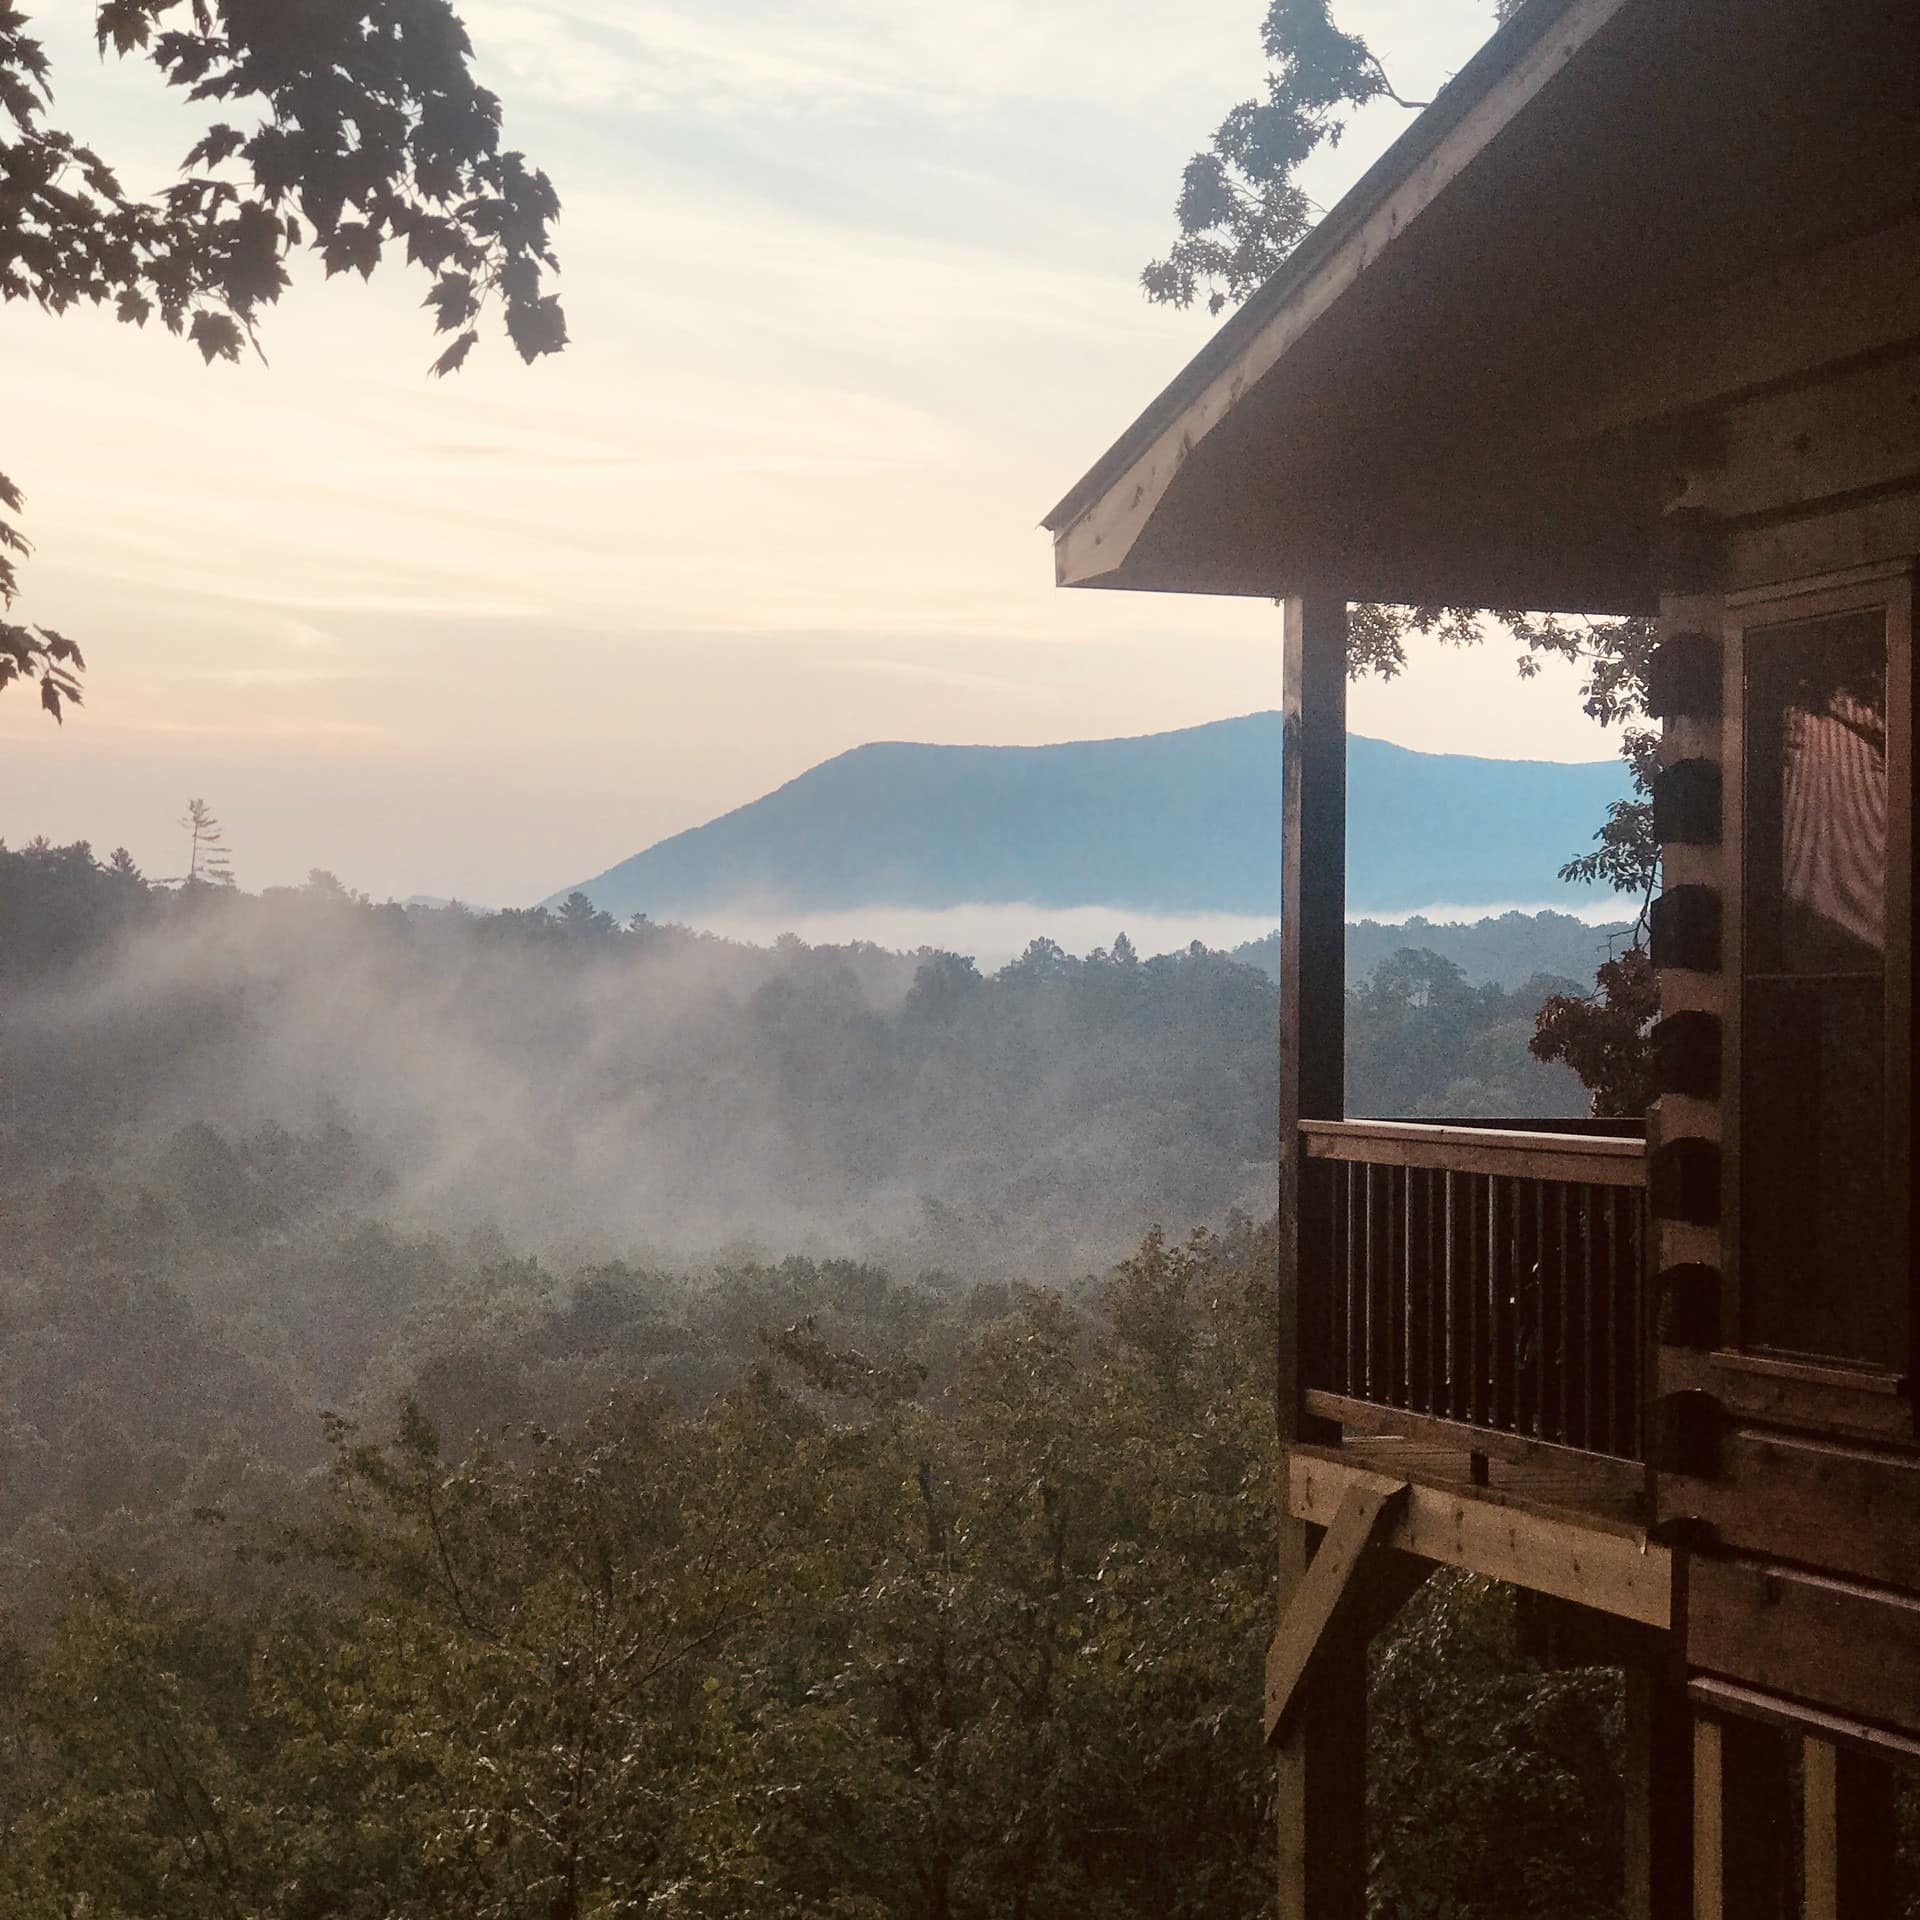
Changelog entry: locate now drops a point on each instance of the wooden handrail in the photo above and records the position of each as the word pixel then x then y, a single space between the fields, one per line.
pixel 1594 1160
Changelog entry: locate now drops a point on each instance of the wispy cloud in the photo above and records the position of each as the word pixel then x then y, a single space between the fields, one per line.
pixel 831 56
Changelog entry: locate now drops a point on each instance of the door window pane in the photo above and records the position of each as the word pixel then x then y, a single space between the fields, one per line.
pixel 1817 796
pixel 1816 1276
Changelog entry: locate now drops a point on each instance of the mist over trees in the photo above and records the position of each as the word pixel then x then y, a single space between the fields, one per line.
pixel 606 1090
pixel 264 1155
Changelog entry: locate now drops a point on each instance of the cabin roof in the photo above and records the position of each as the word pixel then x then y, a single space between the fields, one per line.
pixel 1473 382
pixel 1481 75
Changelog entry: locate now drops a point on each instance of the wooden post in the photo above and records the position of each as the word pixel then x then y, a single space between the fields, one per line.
pixel 1659 1796
pixel 1742 1807
pixel 1313 945
pixel 1323 1789
pixel 1322 1763
pixel 1849 1852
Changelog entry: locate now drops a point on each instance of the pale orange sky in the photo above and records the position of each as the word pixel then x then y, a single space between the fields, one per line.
pixel 853 296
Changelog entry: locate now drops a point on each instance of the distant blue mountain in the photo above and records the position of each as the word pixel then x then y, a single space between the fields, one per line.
pixel 1165 823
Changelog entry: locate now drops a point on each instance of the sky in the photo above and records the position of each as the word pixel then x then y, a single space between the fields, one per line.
pixel 852 287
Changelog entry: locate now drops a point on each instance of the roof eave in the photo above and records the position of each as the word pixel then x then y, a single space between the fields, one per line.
pixel 1097 521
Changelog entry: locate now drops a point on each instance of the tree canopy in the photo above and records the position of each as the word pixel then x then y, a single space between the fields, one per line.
pixel 929 1607
pixel 350 129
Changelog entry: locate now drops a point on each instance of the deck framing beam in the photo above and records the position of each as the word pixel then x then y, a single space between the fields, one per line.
pixel 1603 1564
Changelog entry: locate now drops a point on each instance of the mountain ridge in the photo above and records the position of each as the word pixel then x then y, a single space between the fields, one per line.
pixel 1181 821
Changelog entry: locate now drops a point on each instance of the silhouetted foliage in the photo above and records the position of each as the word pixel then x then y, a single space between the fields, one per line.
pixel 209 863
pixel 356 127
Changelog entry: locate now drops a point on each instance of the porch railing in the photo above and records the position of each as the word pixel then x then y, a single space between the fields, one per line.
pixel 1488 1277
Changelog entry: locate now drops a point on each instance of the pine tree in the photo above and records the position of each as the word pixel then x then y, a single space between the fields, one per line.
pixel 208 860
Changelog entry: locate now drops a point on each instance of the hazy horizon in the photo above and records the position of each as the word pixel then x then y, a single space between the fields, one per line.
pixel 994 932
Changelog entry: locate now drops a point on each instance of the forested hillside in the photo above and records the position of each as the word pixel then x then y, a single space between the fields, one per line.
pixel 792 1592
pixel 1503 950
pixel 923 1603
pixel 266 1155
pixel 513 1414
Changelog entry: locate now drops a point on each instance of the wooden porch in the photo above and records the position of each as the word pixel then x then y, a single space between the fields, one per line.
pixel 1474 1290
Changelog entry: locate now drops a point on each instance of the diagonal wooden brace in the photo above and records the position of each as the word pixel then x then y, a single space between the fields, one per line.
pixel 1327 1594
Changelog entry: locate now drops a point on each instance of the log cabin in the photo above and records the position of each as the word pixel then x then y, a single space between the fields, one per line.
pixel 1627 323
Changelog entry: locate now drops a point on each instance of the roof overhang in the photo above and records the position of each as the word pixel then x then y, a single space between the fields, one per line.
pixel 1460 389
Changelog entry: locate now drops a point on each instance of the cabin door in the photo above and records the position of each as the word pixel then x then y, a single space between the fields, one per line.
pixel 1819 705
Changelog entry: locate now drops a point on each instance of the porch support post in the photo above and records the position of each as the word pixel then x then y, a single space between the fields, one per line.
pixel 1322 1763
pixel 1659 1796
pixel 1313 943
pixel 1323 1788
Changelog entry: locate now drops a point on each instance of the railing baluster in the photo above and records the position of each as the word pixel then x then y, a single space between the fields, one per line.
pixel 1348 1378
pixel 1638 1292
pixel 1589 1347
pixel 1390 1287
pixel 1613 1322
pixel 1348 1371
pixel 1493 1300
pixel 1477 1342
pixel 1510 1297
pixel 1408 1375
pixel 1562 1429
pixel 1503 1341
pixel 1540 1310
pixel 1367 1271
pixel 1431 1189
pixel 1451 1404
pixel 1327 1320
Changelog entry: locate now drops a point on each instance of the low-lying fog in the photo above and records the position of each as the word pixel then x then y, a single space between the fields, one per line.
pixel 994 933
pixel 659 1093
